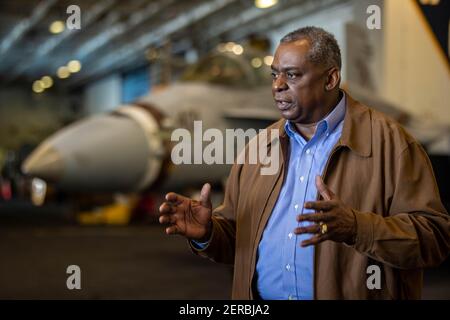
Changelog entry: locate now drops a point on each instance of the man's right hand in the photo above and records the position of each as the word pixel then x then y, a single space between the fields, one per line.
pixel 187 217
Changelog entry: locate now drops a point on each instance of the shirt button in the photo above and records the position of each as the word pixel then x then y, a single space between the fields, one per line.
pixel 296 207
pixel 302 178
pixel 308 151
pixel 291 297
pixel 290 235
pixel 288 267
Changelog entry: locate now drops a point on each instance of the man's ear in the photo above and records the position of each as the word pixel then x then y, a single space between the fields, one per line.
pixel 333 79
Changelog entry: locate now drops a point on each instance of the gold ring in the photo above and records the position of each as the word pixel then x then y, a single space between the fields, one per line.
pixel 323 227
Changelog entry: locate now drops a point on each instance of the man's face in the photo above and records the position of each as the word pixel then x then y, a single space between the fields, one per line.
pixel 298 86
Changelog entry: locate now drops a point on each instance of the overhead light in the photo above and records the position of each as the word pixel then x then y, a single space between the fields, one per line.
pixel 229 46
pixel 221 47
pixel 38 86
pixel 63 72
pixel 74 66
pixel 268 60
pixel 57 27
pixel 256 63
pixel 237 49
pixel 263 4
pixel 430 2
pixel 47 82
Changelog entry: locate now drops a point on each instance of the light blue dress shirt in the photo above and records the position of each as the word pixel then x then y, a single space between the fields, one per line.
pixel 284 269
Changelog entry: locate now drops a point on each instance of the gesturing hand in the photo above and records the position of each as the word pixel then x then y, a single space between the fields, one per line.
pixel 190 218
pixel 332 220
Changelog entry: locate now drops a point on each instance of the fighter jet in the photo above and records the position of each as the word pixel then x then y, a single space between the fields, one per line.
pixel 129 149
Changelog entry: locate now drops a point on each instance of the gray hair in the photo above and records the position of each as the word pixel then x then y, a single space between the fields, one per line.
pixel 324 47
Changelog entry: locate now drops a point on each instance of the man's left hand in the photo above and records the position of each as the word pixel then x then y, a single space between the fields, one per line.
pixel 332 220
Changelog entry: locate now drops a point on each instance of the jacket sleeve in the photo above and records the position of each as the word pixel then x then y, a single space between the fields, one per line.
pixel 221 246
pixel 416 232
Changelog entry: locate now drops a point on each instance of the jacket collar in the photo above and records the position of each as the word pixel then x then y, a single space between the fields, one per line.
pixel 357 130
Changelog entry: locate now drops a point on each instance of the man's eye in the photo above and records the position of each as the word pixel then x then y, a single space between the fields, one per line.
pixel 291 75
pixel 274 75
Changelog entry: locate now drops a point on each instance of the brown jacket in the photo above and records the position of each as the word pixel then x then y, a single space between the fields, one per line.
pixel 377 169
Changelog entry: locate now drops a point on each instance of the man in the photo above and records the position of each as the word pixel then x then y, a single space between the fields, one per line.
pixel 354 193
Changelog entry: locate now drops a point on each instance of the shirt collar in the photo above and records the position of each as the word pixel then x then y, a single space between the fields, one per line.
pixel 329 123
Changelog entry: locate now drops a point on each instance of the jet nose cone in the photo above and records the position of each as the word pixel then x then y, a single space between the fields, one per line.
pixel 44 162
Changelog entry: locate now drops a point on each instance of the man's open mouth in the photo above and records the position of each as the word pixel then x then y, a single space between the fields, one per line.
pixel 283 104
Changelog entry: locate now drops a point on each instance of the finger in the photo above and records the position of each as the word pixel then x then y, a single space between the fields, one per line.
pixel 174 198
pixel 172 230
pixel 164 219
pixel 309 229
pixel 205 196
pixel 321 205
pixel 166 208
pixel 323 189
pixel 314 240
pixel 315 217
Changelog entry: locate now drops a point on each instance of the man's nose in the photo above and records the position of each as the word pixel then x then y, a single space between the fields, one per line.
pixel 279 84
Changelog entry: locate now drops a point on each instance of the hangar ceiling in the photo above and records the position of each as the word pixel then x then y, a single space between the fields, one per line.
pixel 115 35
